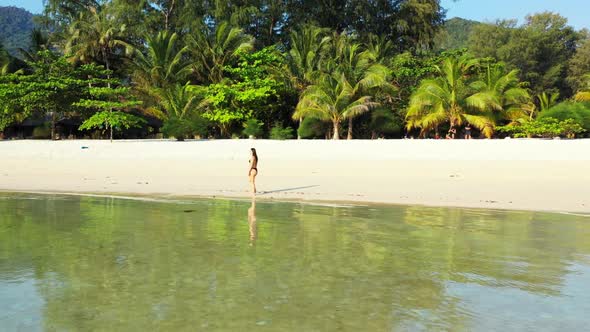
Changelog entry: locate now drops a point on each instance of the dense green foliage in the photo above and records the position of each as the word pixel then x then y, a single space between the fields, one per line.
pixel 181 128
pixel 57 89
pixel 116 120
pixel 252 127
pixel 579 66
pixel 579 112
pixel 279 132
pixel 464 92
pixel 110 102
pixel 331 69
pixel 546 127
pixel 540 49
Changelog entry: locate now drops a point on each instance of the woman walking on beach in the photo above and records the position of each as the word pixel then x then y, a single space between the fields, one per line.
pixel 253 169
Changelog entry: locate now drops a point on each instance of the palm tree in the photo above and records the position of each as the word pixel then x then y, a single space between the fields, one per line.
pixel 95 36
pixel 530 109
pixel 538 103
pixel 332 99
pixel 381 48
pixel 363 74
pixel 358 67
pixel 177 101
pixel 547 100
pixel 509 100
pixel 213 49
pixel 308 45
pixel 448 98
pixel 178 106
pixel 584 95
pixel 162 64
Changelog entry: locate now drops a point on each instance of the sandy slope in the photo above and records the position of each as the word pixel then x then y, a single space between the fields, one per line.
pixel 513 174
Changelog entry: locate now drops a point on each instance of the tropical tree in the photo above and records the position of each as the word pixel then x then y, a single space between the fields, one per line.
pixel 547 100
pixel 214 48
pixel 178 106
pixel 332 99
pixel 448 98
pixel 253 88
pixel 381 48
pixel 308 45
pixel 541 102
pixel 162 64
pixel 584 95
pixel 178 101
pixel 62 12
pixel 540 48
pixel 530 109
pixel 110 104
pixel 347 58
pixel 95 36
pixel 509 98
pixel 579 64
pixel 364 74
pixel 51 89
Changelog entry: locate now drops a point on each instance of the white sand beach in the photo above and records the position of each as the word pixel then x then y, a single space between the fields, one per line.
pixel 544 175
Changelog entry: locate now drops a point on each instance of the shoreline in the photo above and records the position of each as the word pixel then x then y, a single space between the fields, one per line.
pixel 171 198
pixel 531 175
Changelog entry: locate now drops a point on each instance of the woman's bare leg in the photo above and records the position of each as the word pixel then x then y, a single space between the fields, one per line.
pixel 253 174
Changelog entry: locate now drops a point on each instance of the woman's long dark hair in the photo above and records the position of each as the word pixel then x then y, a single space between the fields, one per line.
pixel 254 153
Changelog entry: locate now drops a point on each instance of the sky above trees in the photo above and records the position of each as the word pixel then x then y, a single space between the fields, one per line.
pixel 574 10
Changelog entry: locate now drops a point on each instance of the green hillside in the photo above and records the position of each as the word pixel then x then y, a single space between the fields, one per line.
pixel 15 27
pixel 455 33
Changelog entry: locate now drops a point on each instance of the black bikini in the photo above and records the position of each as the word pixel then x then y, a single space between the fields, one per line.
pixel 253 168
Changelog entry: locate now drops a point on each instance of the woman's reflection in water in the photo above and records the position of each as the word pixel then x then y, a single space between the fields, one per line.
pixel 252 222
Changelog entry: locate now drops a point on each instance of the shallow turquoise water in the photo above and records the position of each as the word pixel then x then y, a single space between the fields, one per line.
pixel 103 264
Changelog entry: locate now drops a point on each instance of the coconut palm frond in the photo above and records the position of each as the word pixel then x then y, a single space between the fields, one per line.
pixel 452 97
pixel 483 101
pixel 213 48
pixel 481 122
pixel 162 63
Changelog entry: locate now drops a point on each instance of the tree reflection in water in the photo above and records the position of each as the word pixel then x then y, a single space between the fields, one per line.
pixel 111 264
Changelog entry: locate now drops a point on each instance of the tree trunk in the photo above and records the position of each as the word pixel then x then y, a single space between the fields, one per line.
pixel 298 134
pixel 270 30
pixel 53 125
pixel 106 60
pixel 167 14
pixel 349 136
pixel 336 130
